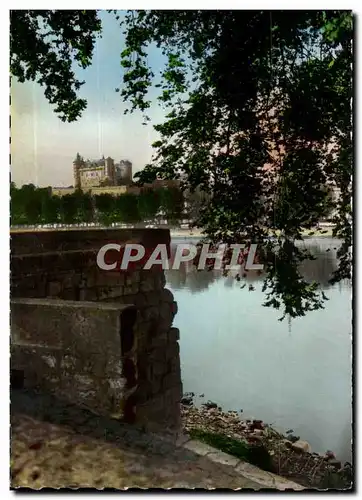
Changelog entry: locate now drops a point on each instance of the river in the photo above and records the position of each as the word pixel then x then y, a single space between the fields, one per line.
pixel 237 353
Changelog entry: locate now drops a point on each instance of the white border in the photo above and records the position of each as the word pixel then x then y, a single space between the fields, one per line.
pixel 4 171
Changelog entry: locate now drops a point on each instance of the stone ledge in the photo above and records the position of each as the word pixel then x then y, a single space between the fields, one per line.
pixel 249 471
pixel 72 304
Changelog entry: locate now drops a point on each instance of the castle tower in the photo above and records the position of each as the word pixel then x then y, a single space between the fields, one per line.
pixel 77 164
pixel 125 173
pixel 110 170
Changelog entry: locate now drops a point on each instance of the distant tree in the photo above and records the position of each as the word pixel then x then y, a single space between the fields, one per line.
pixel 126 208
pixel 172 203
pixel 85 207
pixel 105 208
pixel 148 204
pixel 69 206
pixel 50 206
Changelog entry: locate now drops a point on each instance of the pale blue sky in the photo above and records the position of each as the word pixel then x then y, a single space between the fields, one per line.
pixel 43 147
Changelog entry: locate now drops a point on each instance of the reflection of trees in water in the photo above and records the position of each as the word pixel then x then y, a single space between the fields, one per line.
pixel 192 279
pixel 176 278
pixel 319 270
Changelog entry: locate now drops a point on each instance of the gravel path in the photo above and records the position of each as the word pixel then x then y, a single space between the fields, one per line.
pixel 56 445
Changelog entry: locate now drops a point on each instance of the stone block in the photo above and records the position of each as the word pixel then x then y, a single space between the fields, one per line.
pixel 171 380
pixel 150 314
pixel 166 313
pixel 223 458
pixel 198 447
pixel 152 299
pixel 174 334
pixel 54 289
pixel 70 294
pixel 109 293
pixel 131 289
pixel 89 334
pixel 70 280
pixel 86 294
pixel 174 308
pixel 146 285
pixel 302 446
pixel 159 280
pixel 166 295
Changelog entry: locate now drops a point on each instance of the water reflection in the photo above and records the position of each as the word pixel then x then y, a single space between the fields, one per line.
pixel 237 353
pixel 320 270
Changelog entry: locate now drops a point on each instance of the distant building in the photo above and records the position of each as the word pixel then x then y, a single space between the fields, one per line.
pixel 104 176
pixel 96 190
pixel 99 173
pixel 123 172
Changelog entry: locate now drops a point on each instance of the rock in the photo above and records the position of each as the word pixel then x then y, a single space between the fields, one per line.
pixel 335 463
pixel 302 446
pixel 258 424
pixel 293 439
pixel 287 443
pixel 254 437
pixel 202 396
pixel 186 401
pixel 258 432
pixel 209 405
pixel 290 431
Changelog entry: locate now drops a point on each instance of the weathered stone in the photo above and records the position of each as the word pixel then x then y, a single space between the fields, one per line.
pixel 131 289
pixel 170 380
pixel 70 280
pixel 110 292
pixel 335 463
pixel 54 289
pixel 223 458
pixel 258 432
pixel 63 264
pixel 70 294
pixel 152 299
pixel 159 280
pixel 88 294
pixel 166 295
pixel 146 286
pixel 302 446
pixel 199 447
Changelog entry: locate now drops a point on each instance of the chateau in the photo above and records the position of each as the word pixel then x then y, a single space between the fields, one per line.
pixel 101 173
pixel 106 177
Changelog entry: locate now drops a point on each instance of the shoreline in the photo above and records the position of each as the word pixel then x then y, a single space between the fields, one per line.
pixel 291 456
pixel 174 232
pixel 180 233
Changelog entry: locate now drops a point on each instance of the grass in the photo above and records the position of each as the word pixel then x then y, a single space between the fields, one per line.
pixel 254 454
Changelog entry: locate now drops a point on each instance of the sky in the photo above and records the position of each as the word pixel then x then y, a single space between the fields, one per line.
pixel 43 147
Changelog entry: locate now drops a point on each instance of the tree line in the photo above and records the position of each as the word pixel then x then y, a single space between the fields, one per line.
pixel 31 205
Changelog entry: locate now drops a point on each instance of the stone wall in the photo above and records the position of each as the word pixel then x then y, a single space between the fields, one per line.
pixel 84 351
pixel 62 265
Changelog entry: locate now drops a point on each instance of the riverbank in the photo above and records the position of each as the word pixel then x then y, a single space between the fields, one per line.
pixel 324 231
pixel 197 233
pixel 56 445
pixel 289 456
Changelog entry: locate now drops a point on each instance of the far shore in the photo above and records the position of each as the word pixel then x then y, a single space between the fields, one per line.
pixel 324 231
pixel 197 233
